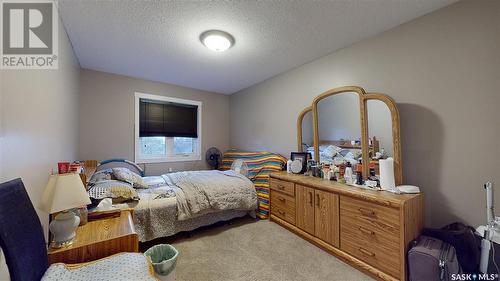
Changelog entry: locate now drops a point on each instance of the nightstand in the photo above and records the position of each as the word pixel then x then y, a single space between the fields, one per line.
pixel 98 239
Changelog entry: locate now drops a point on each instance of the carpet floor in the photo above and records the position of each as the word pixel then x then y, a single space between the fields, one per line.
pixel 245 249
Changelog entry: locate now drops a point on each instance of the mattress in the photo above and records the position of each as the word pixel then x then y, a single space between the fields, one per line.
pixel 156 217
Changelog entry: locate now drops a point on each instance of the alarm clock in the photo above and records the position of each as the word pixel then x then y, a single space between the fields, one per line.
pixel 296 166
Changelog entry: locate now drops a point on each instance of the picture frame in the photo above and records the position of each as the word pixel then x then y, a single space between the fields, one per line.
pixel 302 156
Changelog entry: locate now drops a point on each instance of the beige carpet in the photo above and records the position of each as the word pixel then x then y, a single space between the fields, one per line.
pixel 247 249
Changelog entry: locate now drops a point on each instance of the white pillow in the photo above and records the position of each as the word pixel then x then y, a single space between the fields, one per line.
pixel 126 175
pixel 330 151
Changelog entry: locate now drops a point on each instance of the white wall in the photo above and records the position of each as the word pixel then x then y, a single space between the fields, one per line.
pixel 39 123
pixel 443 71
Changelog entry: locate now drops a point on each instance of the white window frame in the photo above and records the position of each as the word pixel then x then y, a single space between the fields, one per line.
pixel 195 156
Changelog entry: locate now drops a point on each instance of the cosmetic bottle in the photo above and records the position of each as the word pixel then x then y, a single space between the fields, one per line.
pixel 348 173
pixel 372 169
pixel 359 173
pixel 335 173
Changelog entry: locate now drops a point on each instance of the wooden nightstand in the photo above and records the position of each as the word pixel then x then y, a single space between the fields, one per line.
pixel 98 239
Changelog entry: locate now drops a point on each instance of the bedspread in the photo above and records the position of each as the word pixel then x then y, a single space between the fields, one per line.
pixel 260 165
pixel 202 192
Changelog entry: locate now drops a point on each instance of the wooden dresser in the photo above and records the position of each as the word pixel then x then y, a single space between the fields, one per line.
pixel 368 229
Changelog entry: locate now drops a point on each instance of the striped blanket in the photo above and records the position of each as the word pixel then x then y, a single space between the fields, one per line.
pixel 260 165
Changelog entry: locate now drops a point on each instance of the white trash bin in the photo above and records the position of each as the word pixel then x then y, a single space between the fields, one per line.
pixel 164 259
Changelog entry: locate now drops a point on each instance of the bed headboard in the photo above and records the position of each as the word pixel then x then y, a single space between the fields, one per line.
pixel 120 163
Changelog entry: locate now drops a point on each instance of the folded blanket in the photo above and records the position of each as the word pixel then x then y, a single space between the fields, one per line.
pixel 201 192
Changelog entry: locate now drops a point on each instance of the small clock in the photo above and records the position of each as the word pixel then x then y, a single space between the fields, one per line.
pixel 296 166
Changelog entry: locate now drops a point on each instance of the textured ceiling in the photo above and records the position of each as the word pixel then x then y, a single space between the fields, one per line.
pixel 159 40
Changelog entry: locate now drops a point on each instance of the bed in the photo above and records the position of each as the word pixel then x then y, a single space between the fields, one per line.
pixel 177 202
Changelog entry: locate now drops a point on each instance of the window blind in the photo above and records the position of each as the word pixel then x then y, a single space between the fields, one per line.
pixel 161 119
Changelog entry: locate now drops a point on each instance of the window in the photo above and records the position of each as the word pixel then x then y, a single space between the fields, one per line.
pixel 166 129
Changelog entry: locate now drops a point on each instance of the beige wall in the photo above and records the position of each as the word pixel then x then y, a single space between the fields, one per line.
pixel 107 118
pixel 39 123
pixel 442 69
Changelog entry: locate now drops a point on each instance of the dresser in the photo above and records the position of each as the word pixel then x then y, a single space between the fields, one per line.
pixel 370 230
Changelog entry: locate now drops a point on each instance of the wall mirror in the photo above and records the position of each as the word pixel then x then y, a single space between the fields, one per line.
pixel 352 125
pixel 305 130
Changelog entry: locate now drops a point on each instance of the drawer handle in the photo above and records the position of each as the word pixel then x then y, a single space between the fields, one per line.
pixel 366 212
pixel 281 212
pixel 281 199
pixel 366 231
pixel 366 252
pixel 281 187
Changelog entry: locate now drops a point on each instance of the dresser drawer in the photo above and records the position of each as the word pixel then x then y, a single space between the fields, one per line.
pixel 283 213
pixel 282 201
pixel 283 186
pixel 371 215
pixel 351 228
pixel 384 259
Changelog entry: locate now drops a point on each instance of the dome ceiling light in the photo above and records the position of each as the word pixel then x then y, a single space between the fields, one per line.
pixel 217 40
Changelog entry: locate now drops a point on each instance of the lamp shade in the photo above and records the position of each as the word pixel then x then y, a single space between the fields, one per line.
pixel 64 192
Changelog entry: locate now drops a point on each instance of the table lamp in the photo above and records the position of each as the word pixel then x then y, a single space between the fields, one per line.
pixel 63 193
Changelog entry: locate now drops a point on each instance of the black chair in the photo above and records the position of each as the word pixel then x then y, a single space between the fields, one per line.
pixel 23 243
pixel 21 234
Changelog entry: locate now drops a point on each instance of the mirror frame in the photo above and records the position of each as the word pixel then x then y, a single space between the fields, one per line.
pixel 362 112
pixel 363 98
pixel 300 119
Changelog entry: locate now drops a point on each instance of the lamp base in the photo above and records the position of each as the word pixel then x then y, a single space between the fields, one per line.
pixel 63 229
pixel 61 244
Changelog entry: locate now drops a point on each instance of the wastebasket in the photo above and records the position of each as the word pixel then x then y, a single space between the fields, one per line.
pixel 164 259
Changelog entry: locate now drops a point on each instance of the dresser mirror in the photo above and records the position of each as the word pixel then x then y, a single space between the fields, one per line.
pixel 383 125
pixel 338 124
pixel 305 130
pixel 351 125
pixel 379 132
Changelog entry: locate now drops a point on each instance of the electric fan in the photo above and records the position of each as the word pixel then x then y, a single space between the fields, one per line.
pixel 239 166
pixel 213 157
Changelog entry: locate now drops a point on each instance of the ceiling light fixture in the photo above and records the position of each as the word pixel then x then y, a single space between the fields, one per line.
pixel 217 40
